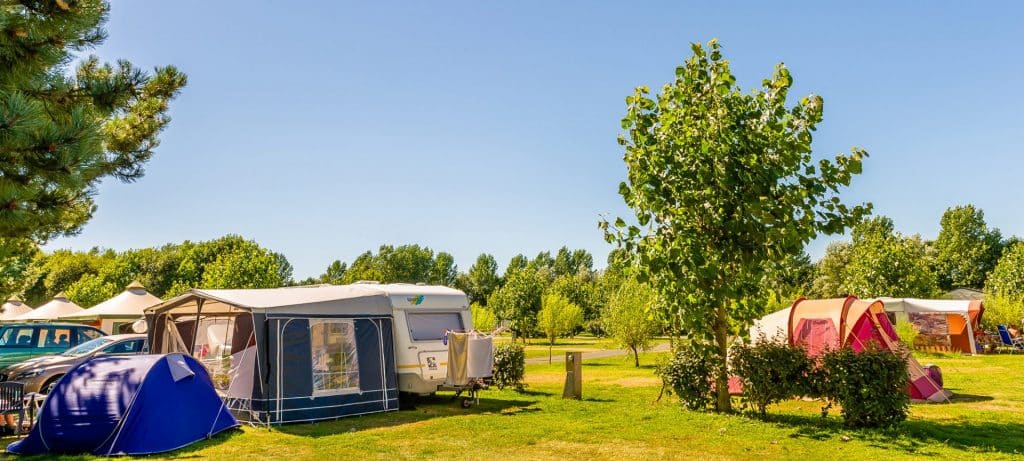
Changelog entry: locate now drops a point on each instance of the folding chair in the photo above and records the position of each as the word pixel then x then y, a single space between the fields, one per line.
pixel 12 402
pixel 1015 344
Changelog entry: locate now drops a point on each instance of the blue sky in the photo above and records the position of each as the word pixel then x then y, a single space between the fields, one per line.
pixel 327 130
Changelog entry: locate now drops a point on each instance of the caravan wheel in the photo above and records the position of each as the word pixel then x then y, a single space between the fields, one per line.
pixel 466 402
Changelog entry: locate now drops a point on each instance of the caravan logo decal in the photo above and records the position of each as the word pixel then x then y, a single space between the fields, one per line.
pixel 415 300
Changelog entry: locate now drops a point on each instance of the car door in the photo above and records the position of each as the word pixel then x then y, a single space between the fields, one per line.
pixel 126 347
pixel 17 344
pixel 54 339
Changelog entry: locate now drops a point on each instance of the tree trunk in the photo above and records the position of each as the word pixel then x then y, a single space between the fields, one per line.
pixel 550 346
pixel 636 357
pixel 724 403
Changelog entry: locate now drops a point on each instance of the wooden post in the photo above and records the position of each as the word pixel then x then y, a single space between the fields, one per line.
pixel 573 376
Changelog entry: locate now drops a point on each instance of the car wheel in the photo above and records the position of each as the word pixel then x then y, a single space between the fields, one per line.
pixel 49 385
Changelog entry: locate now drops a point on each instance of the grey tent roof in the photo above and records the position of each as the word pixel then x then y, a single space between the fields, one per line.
pixel 355 299
pixel 319 299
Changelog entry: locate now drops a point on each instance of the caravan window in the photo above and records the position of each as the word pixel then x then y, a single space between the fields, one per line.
pixel 431 326
pixel 335 362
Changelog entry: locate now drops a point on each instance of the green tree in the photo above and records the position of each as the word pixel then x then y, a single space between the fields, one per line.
pixel 61 133
pixel 444 272
pixel 518 262
pixel 402 264
pixel 251 267
pixel 518 301
pixel 1007 278
pixel 481 280
pixel 579 289
pixel 885 263
pixel 722 181
pixel 16 255
pixel 1004 289
pixel 334 274
pixel 966 250
pixel 830 272
pixel 630 317
pixel 229 262
pixel 53 273
pixel 557 317
pixel 484 319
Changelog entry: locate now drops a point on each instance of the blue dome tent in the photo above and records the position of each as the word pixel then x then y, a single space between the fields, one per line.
pixel 128 406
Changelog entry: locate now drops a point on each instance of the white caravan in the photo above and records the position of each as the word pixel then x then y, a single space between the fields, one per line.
pixel 422 315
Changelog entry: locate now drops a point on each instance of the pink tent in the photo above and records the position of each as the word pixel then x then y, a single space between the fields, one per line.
pixel 820 324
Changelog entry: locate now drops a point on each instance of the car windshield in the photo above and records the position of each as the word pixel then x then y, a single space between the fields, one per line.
pixel 87 347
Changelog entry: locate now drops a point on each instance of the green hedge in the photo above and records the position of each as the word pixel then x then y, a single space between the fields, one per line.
pixel 689 374
pixel 509 366
pixel 870 386
pixel 771 371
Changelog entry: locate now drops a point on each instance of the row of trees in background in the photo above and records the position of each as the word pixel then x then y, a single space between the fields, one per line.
pixel 96 275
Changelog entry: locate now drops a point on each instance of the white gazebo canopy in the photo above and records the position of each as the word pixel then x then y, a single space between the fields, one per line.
pixel 128 304
pixel 13 307
pixel 58 307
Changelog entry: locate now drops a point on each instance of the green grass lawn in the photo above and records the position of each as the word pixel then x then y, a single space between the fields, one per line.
pixel 620 419
pixel 537 348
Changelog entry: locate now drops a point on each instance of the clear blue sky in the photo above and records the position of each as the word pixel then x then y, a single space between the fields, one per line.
pixel 328 129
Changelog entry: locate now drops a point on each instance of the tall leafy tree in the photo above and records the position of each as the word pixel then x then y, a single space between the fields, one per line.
pixel 580 290
pixel 557 317
pixel 966 249
pixel 830 271
pixel 1004 289
pixel 519 300
pixel 518 262
pixel 444 272
pixel 1008 277
pixel 722 181
pixel 630 317
pixel 334 274
pixel 16 255
pixel 481 280
pixel 229 262
pixel 883 262
pixel 62 132
pixel 55 272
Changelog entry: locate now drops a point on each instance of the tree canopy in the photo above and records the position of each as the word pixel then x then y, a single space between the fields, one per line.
pixel 966 250
pixel 63 132
pixel 721 182
pixel 481 280
pixel 883 262
pixel 630 317
pixel 405 264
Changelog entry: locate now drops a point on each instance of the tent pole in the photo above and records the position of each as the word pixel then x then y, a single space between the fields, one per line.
pixel 195 328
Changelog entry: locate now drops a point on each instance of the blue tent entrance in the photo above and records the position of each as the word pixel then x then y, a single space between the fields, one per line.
pixel 128 405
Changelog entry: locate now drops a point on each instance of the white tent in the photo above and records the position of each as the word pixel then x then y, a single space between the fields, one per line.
pixel 13 307
pixel 58 307
pixel 951 322
pixel 772 326
pixel 123 309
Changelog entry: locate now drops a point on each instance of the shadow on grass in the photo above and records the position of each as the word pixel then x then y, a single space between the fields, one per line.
pixel 969 398
pixel 914 436
pixel 427 408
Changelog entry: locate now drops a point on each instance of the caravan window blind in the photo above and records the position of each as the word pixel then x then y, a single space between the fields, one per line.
pixel 335 361
pixel 431 326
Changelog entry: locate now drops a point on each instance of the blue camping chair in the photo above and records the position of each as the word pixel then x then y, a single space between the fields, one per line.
pixel 1016 344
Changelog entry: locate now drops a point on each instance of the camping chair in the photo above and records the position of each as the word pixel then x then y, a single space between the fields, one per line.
pixel 11 402
pixel 1015 344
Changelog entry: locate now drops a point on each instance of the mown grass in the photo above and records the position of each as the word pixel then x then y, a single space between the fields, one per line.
pixel 620 418
pixel 537 348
